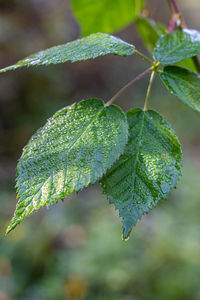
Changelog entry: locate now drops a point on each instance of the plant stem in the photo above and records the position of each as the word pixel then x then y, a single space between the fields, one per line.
pixel 175 7
pixel 172 24
pixel 177 12
pixel 127 85
pixel 144 57
pixel 148 91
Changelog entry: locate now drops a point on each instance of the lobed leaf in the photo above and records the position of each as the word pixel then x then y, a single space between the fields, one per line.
pixel 106 15
pixel 184 84
pixel 75 147
pixel 95 45
pixel 149 31
pixel 179 45
pixel 147 170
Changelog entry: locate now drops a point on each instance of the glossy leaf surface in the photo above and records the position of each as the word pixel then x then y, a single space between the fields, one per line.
pixel 95 45
pixel 179 45
pixel 105 15
pixel 184 84
pixel 147 170
pixel 149 31
pixel 75 147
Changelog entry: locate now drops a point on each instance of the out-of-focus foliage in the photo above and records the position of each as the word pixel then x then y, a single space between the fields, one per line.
pixel 86 261
pixel 149 31
pixel 106 15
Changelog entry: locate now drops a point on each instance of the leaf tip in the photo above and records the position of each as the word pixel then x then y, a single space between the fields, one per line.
pixel 11 226
pixel 8 230
pixel 126 234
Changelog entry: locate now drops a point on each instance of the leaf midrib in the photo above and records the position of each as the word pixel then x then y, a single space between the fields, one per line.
pixel 137 152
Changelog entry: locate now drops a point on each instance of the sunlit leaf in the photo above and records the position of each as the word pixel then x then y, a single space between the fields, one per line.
pixel 147 170
pixel 75 147
pixel 177 46
pixel 95 45
pixel 105 15
pixel 187 63
pixel 184 84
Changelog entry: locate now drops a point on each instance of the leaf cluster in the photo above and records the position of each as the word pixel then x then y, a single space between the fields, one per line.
pixel 136 156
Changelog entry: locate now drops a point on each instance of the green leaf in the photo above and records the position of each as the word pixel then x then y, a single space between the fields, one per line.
pixel 177 46
pixel 187 63
pixel 75 147
pixel 149 31
pixel 147 170
pixel 105 15
pixel 95 45
pixel 184 84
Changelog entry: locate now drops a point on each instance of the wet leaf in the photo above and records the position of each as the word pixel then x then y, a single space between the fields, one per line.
pixel 95 45
pixel 147 170
pixel 179 45
pixel 75 147
pixel 106 15
pixel 149 31
pixel 183 84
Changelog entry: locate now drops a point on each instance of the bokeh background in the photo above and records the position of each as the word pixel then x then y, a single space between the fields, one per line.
pixel 73 250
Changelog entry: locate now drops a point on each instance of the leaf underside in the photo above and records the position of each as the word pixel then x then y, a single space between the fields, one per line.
pixel 187 63
pixel 147 170
pixel 105 15
pixel 75 147
pixel 95 45
pixel 177 46
pixel 183 84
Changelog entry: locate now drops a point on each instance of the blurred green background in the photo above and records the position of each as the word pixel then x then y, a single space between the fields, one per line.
pixel 74 249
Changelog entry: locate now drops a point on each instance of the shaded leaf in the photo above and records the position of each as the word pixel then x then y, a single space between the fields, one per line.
pixel 75 147
pixel 105 15
pixel 179 45
pixel 149 31
pixel 184 84
pixel 147 170
pixel 95 45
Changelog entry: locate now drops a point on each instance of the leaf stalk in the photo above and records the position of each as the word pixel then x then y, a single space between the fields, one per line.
pixel 144 57
pixel 148 91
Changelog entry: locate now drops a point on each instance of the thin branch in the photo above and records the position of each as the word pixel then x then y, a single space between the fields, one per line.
pixel 178 12
pixel 127 86
pixel 173 22
pixel 175 7
pixel 148 91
